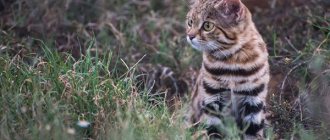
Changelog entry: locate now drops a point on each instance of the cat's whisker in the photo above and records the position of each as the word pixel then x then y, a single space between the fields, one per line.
pixel 214 46
pixel 202 42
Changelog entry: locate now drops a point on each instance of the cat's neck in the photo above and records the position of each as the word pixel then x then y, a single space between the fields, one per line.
pixel 250 42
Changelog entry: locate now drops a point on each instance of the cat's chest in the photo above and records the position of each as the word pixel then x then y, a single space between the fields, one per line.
pixel 223 76
pixel 227 82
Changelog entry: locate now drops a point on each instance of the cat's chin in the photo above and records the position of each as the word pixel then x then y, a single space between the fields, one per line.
pixel 199 47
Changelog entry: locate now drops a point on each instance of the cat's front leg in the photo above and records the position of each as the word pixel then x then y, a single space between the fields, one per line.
pixel 251 117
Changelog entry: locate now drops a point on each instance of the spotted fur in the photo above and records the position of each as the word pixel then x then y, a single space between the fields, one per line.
pixel 234 76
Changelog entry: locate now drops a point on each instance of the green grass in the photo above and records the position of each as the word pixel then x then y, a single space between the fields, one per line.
pixel 49 96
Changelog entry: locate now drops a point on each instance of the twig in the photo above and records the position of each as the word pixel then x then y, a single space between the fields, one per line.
pixel 119 35
pixel 318 50
pixel 286 77
pixel 326 71
pixel 291 45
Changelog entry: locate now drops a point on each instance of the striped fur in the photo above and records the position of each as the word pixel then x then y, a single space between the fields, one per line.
pixel 234 75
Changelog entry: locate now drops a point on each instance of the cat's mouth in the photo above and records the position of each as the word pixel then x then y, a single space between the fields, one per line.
pixel 195 43
pixel 201 45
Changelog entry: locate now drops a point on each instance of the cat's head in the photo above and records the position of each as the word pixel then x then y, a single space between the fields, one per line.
pixel 216 24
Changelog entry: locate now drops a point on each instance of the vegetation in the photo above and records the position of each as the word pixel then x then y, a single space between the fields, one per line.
pixel 121 69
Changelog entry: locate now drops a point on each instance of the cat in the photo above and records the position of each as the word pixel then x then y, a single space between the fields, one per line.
pixel 234 76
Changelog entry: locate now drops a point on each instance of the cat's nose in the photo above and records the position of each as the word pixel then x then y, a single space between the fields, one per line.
pixel 191 37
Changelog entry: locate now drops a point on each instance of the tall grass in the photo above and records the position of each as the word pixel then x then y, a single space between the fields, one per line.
pixel 50 96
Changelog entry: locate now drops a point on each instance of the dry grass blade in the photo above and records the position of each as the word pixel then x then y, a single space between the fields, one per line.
pixel 286 77
pixel 119 35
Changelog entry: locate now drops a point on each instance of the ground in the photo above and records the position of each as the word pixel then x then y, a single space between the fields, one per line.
pixel 121 69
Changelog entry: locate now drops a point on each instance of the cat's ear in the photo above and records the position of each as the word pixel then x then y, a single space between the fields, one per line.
pixel 232 9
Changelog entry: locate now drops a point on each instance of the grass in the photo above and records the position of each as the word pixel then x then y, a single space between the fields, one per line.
pixel 46 99
pixel 124 69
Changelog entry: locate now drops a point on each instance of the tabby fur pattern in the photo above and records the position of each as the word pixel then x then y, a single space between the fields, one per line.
pixel 234 76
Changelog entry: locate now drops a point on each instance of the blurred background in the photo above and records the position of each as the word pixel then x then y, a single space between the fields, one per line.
pixel 151 34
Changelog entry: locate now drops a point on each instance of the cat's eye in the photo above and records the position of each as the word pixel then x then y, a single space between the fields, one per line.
pixel 190 22
pixel 208 26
